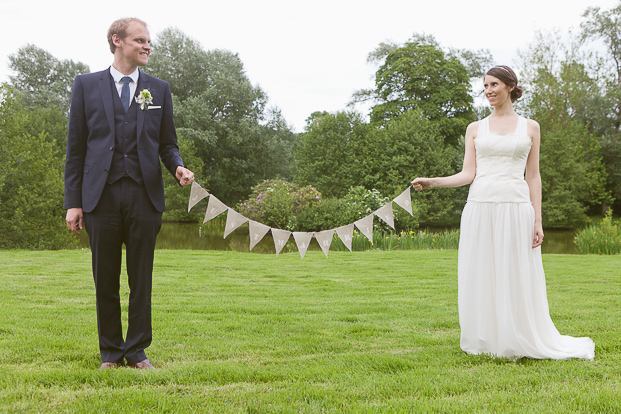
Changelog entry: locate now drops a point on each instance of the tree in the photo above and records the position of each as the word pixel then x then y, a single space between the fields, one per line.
pixel 404 148
pixel 224 114
pixel 31 184
pixel 563 92
pixel 43 80
pixel 326 154
pixel 605 26
pixel 419 75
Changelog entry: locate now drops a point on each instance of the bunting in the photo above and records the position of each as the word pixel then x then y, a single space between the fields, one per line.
pixel 280 239
pixel 324 238
pixel 365 225
pixel 404 200
pixel 385 213
pixel 215 207
pixel 196 194
pixel 302 239
pixel 346 234
pixel 257 232
pixel 233 221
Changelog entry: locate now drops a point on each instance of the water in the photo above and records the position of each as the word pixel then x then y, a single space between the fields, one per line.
pixel 209 236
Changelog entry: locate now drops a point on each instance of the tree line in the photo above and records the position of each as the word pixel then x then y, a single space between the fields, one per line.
pixel 422 101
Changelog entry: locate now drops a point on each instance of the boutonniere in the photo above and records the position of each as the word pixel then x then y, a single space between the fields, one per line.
pixel 144 98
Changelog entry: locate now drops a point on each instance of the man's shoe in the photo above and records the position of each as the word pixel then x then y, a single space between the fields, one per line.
pixel 107 365
pixel 144 364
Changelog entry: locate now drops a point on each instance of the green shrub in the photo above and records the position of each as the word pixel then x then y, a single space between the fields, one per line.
pixel 276 203
pixel 325 215
pixel 603 238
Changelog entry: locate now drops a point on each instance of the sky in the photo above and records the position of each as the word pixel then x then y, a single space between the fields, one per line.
pixel 306 55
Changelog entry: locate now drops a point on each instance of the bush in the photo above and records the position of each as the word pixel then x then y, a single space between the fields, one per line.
pixel 603 238
pixel 276 203
pixel 328 214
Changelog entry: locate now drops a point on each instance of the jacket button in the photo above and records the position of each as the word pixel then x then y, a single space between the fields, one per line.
pixel 111 148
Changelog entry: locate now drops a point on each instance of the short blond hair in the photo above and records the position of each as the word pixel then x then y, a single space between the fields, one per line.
pixel 119 28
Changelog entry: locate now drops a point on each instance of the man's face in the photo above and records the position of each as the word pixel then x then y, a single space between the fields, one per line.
pixel 135 48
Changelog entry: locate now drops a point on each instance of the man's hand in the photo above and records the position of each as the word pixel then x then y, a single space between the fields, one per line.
pixel 74 220
pixel 184 176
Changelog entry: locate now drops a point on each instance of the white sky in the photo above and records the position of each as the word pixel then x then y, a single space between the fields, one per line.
pixel 307 56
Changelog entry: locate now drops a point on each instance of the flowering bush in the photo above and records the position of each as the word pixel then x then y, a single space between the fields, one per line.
pixel 277 203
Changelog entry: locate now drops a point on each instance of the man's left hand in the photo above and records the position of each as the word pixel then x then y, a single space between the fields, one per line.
pixel 184 176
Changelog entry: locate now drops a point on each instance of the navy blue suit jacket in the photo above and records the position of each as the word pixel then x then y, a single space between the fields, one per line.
pixel 91 139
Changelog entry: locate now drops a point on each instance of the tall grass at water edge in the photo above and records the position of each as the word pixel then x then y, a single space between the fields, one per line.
pixel 410 240
pixel 601 238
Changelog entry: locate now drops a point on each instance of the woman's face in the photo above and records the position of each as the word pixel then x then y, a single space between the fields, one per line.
pixel 496 91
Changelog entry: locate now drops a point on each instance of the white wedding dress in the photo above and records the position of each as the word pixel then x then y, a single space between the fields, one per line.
pixel 503 307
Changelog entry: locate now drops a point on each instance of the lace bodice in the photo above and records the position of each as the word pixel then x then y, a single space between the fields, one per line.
pixel 501 162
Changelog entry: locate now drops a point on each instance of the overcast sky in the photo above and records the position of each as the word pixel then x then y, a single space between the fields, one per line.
pixel 307 55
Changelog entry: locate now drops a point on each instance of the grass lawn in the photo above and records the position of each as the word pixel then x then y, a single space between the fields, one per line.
pixel 241 332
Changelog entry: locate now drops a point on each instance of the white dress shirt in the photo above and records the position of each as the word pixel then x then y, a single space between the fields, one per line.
pixel 117 76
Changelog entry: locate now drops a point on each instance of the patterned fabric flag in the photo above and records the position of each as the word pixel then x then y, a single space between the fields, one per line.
pixel 280 239
pixel 233 221
pixel 385 213
pixel 324 238
pixel 405 201
pixel 214 208
pixel 196 195
pixel 365 225
pixel 346 234
pixel 257 232
pixel 302 239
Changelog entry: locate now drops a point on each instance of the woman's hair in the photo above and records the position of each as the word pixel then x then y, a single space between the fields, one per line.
pixel 508 77
pixel 119 28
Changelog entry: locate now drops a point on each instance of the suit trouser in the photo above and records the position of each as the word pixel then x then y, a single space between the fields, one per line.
pixel 124 215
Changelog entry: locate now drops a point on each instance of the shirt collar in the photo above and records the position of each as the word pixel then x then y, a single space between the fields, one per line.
pixel 117 76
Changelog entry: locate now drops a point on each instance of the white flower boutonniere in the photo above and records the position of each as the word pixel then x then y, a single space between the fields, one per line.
pixel 144 98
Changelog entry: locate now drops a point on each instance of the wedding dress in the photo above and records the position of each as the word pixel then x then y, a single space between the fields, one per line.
pixel 503 307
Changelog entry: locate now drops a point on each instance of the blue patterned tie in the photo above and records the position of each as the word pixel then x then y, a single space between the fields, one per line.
pixel 125 92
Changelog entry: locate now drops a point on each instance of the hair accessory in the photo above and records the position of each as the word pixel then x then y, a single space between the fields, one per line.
pixel 505 69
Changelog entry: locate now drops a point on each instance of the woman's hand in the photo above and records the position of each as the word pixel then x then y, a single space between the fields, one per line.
pixel 538 236
pixel 422 183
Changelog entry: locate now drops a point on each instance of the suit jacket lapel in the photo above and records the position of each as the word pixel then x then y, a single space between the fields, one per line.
pixel 142 84
pixel 105 87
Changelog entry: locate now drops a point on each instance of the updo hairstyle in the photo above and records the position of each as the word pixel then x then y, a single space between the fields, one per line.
pixel 509 78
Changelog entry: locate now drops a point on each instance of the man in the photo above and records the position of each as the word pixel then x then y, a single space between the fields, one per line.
pixel 120 126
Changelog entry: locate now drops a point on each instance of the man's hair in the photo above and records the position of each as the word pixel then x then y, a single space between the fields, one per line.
pixel 119 28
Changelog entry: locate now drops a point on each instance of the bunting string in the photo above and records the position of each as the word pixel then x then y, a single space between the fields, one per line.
pixel 302 239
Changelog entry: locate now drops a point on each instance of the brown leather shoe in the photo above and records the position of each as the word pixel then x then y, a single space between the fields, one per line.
pixel 107 365
pixel 144 364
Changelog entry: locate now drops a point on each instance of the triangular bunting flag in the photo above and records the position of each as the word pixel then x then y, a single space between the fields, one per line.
pixel 385 213
pixel 257 232
pixel 280 239
pixel 214 208
pixel 302 240
pixel 196 194
pixel 233 221
pixel 365 225
pixel 346 233
pixel 405 201
pixel 324 238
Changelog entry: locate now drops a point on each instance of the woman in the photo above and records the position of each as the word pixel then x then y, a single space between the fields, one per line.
pixel 503 308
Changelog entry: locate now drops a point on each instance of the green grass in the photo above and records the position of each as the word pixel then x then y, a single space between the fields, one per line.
pixel 241 332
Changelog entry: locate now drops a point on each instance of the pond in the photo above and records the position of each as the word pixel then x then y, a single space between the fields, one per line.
pixel 209 236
